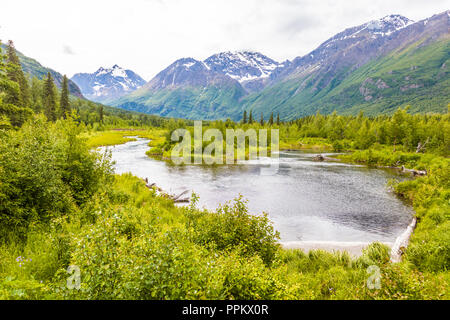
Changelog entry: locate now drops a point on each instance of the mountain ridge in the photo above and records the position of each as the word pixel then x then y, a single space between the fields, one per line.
pixel 328 78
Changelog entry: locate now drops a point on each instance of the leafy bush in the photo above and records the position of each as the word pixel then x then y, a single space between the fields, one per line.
pixel 232 226
pixel 46 170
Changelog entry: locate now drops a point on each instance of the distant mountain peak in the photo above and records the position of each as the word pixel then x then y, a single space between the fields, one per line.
pixel 114 71
pixel 107 84
pixel 369 31
pixel 247 67
pixel 388 24
pixel 187 63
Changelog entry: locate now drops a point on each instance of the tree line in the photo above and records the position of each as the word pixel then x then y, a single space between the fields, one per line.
pixel 250 119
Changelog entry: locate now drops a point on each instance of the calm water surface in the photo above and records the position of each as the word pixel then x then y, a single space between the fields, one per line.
pixel 306 200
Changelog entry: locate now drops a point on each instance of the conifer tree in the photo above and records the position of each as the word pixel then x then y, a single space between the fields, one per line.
pixel 49 98
pixel 244 119
pixel 261 122
pixel 36 94
pixel 250 118
pixel 10 89
pixel 278 119
pixel 64 102
pixel 100 113
pixel 15 73
pixel 271 119
pixel 11 112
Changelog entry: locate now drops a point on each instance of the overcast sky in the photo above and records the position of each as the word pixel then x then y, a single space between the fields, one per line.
pixel 148 35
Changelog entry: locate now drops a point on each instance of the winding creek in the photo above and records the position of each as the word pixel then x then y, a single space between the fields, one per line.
pixel 310 202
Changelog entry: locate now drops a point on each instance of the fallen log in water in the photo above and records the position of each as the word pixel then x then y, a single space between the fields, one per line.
pixel 179 196
pixel 324 158
pixel 401 243
pixel 414 172
pixel 174 198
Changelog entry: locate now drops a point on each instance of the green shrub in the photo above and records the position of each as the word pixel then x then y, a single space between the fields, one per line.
pixel 45 171
pixel 232 227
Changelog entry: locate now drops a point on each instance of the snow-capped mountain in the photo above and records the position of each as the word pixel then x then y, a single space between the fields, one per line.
pixel 186 72
pixel 185 83
pixel 251 69
pixel 355 45
pixel 107 84
pixel 381 27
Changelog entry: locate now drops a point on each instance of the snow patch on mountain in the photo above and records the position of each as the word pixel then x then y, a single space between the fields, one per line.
pixel 242 65
pixel 375 28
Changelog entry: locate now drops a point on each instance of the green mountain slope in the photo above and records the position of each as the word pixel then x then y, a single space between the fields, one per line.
pixel 187 102
pixel 417 75
pixel 34 68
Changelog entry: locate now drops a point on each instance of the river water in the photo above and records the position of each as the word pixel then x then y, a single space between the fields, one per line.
pixel 306 200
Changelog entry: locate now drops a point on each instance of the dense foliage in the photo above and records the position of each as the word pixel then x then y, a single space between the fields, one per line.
pixel 62 208
pixel 46 170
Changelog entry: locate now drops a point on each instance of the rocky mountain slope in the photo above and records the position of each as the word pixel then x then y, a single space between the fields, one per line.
pixel 250 69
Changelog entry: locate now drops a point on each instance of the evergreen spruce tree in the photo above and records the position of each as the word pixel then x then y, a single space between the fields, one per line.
pixel 100 114
pixel 10 89
pixel 271 119
pixel 64 102
pixel 278 119
pixel 49 98
pixel 250 118
pixel 244 119
pixel 261 122
pixel 11 112
pixel 15 73
pixel 36 94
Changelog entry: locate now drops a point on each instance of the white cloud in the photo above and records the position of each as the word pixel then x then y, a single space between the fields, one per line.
pixel 148 35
